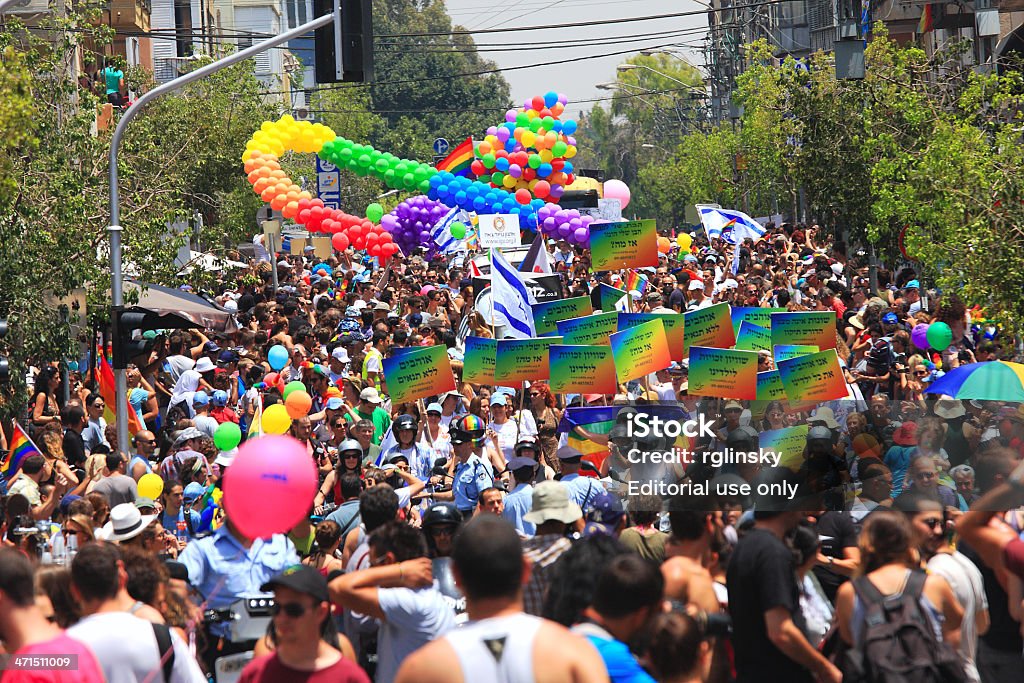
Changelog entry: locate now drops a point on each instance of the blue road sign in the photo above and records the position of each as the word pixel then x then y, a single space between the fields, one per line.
pixel 328 183
pixel 441 146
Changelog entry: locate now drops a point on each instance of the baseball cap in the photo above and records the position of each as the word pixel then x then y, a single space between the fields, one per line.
pixel 370 395
pixel 193 491
pixel 200 398
pixel 211 347
pixel 220 398
pixel 604 515
pixel 890 318
pixel 66 501
pixel 334 403
pixel 142 503
pixel 435 408
pixel 499 400
pixel 228 356
pixel 913 284
pixel 301 579
pixel 695 284
pixel 339 353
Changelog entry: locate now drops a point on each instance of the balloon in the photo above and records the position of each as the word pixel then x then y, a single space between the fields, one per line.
pixel 685 241
pixel 298 403
pixel 616 189
pixel 227 436
pixel 294 385
pixel 151 485
pixel 270 487
pixel 939 336
pixel 664 246
pixel 374 212
pixel 339 241
pixel 276 419
pixel 277 357
pixel 919 336
pixel 458 230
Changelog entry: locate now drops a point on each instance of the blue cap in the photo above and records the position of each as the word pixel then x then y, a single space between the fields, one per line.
pixel 499 400
pixel 604 515
pixel 890 318
pixel 690 258
pixel 913 284
pixel 200 399
pixel 435 407
pixel 193 491
pixel 334 403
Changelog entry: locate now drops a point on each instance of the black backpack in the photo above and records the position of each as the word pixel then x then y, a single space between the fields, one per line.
pixel 897 642
pixel 881 356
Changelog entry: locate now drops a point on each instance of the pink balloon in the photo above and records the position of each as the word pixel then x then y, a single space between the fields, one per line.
pixel 616 189
pixel 270 487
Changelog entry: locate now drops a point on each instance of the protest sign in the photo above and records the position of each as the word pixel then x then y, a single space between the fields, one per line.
pixel 521 360
pixel 419 373
pixel 709 326
pixel 590 329
pixel 788 442
pixel 673 328
pixel 479 360
pixel 814 377
pixel 546 315
pixel 640 350
pixel 817 328
pixel 753 337
pixel 610 296
pixel 631 244
pixel 762 317
pixel 725 373
pixel 582 369
pixel 786 351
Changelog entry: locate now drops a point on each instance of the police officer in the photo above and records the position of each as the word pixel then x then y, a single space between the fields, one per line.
pixel 227 565
pixel 472 474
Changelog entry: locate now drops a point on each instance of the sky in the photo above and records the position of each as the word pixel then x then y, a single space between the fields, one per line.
pixel 578 80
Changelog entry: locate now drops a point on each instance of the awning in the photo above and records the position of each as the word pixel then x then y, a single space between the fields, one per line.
pixel 180 309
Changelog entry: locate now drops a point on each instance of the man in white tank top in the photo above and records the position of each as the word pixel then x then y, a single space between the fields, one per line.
pixel 501 643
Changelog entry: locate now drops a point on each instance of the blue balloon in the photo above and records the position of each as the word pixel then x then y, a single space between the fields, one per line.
pixel 557 127
pixel 550 99
pixel 277 357
pixel 502 164
pixel 473 191
pixel 479 204
pixel 435 180
pixel 510 146
pixel 569 127
pixel 442 191
pixel 567 168
pixel 544 170
pixel 460 198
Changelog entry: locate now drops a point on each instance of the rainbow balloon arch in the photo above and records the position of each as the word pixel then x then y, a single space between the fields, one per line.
pixel 522 167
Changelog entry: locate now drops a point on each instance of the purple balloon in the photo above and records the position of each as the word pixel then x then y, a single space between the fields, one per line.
pixel 510 115
pixel 492 130
pixel 564 230
pixel 919 336
pixel 582 235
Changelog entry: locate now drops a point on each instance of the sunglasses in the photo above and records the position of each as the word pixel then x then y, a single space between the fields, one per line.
pixel 290 609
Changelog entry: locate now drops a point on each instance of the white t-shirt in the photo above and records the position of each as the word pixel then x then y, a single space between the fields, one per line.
pixel 969 589
pixel 206 424
pixel 126 649
pixel 507 433
pixel 412 618
pixel 177 365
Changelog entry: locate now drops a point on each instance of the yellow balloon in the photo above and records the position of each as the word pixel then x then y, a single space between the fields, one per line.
pixel 546 156
pixel 508 181
pixel 276 419
pixel 570 152
pixel 150 486
pixel 529 137
pixel 684 241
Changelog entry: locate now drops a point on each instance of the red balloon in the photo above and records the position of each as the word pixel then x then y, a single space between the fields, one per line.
pixel 339 241
pixel 372 238
pixel 317 202
pixel 303 203
pixel 375 250
pixel 542 189
pixel 355 231
pixel 521 158
pixel 270 379
pixel 529 174
pixel 303 216
pixel 501 154
pixel 316 212
pixel 523 196
pixel 558 164
pixel 367 226
pixel 537 102
pixel 545 112
pixel 386 238
pixel 359 243
pixel 477 167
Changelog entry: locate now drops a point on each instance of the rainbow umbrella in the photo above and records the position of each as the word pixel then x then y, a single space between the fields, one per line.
pixel 988 381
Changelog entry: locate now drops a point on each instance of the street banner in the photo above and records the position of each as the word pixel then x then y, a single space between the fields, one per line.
pixel 542 286
pixel 582 369
pixel 610 297
pixel 711 326
pixel 522 360
pixel 640 350
pixel 788 442
pixel 815 377
pixel 417 374
pixel 673 329
pixel 479 360
pixel 762 317
pixel 753 337
pixel 630 244
pixel 590 329
pixel 500 230
pixel 724 373
pixel 547 314
pixel 805 327
pixel 787 351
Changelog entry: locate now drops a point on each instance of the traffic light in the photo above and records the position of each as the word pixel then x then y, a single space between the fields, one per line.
pixel 128 345
pixel 5 365
pixel 351 34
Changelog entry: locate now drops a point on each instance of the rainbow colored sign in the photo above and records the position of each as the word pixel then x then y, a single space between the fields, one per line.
pixel 547 315
pixel 582 369
pixel 709 326
pixel 762 317
pixel 673 328
pixel 631 244
pixel 522 360
pixel 788 351
pixel 753 337
pixel 479 360
pixel 809 328
pixel 590 329
pixel 417 374
pixel 815 377
pixel 640 350
pixel 725 373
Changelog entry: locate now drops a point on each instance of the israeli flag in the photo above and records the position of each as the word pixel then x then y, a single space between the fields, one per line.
pixel 442 232
pixel 511 299
pixel 732 226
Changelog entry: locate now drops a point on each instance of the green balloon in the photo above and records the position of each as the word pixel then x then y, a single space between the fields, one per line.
pixel 424 186
pixel 389 177
pixel 522 120
pixel 295 385
pixel 534 161
pixel 488 160
pixel 535 125
pixel 375 212
pixel 345 154
pixel 458 230
pixel 559 148
pixel 497 177
pixel 485 178
pixel 381 165
pixel 401 168
pixel 409 180
pixel 364 160
pixel 227 436
pixel 940 336
pixel 549 122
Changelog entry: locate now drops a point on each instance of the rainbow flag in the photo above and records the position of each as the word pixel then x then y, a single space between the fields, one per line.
pixel 635 282
pixel 21 448
pixel 109 393
pixel 927 22
pixel 596 420
pixel 459 161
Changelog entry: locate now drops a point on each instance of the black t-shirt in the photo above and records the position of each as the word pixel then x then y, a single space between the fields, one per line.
pixel 761 577
pixel 677 300
pixel 837 532
pixel 74 448
pixel 1004 631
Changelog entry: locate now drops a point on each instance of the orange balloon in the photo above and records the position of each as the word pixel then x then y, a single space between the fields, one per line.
pixel 268 194
pixel 278 173
pixel 250 165
pixel 293 195
pixel 260 185
pixel 557 109
pixel 253 177
pixel 664 246
pixel 298 404
pixel 290 210
pixel 278 202
pixel 272 164
pixel 263 171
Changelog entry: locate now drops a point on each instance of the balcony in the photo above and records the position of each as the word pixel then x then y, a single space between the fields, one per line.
pixel 129 15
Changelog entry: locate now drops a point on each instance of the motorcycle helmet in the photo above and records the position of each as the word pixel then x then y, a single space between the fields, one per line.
pixel 350 445
pixel 404 422
pixel 442 513
pixel 468 428
pixel 527 445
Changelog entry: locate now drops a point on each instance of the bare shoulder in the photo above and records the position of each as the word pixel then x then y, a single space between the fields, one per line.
pixel 561 656
pixel 435 662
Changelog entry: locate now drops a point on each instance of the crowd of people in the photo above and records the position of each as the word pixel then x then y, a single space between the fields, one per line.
pixel 467 537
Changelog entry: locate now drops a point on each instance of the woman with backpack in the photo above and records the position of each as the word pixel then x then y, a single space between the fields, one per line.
pixel 897 622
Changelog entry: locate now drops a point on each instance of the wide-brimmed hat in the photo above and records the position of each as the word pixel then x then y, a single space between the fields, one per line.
pixel 906 435
pixel 126 522
pixel 825 416
pixel 948 408
pixel 551 502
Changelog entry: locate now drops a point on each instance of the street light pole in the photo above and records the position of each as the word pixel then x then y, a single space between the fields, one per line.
pixel 116 273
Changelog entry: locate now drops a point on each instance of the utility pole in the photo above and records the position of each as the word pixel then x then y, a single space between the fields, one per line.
pixel 116 266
